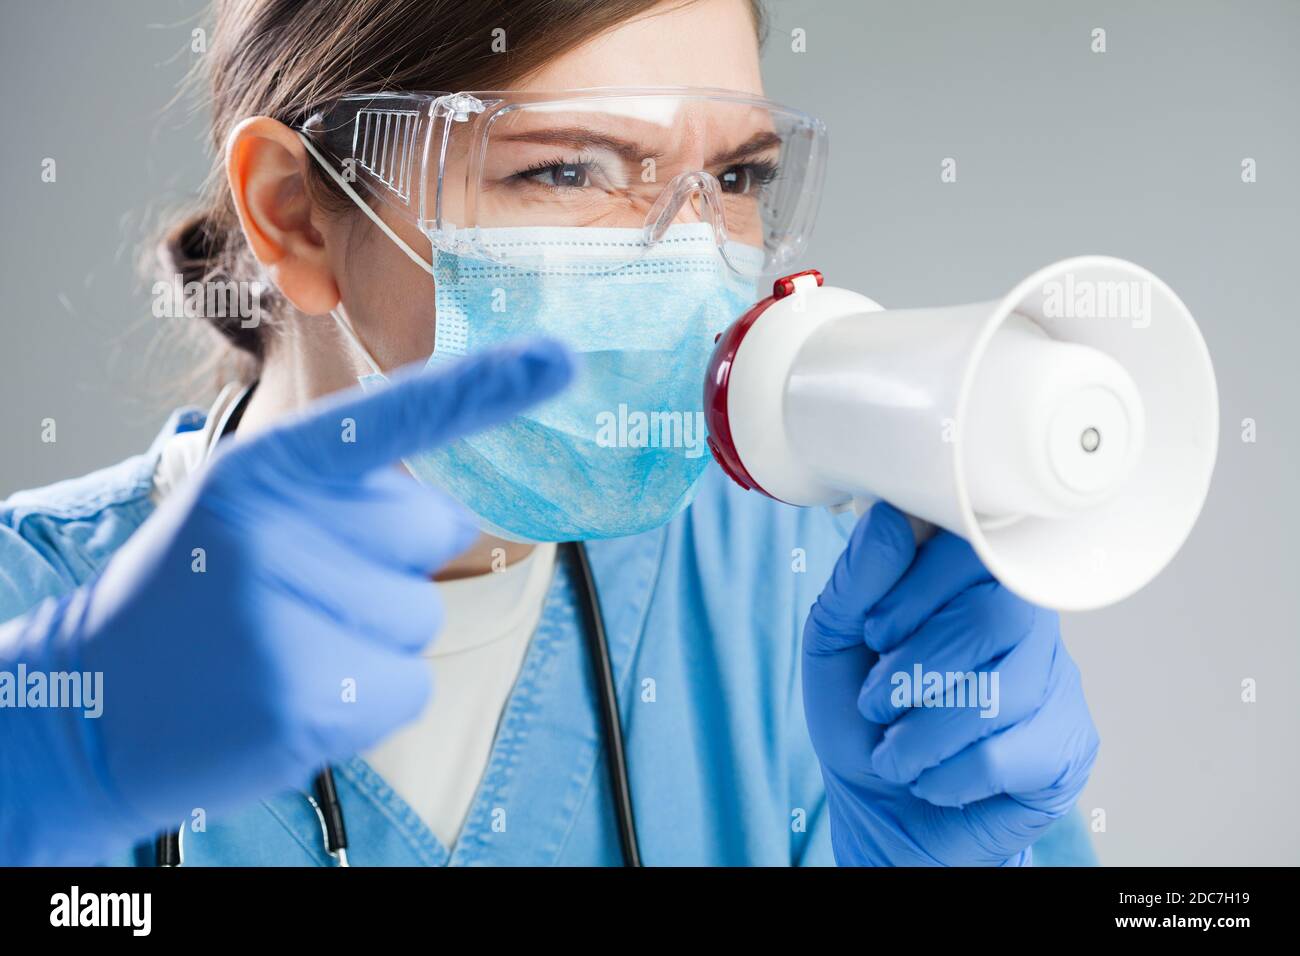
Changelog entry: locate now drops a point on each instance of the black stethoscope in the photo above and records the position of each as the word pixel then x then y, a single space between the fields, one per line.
pixel 169 847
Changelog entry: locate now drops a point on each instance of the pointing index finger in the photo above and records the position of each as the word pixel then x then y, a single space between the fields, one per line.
pixel 419 410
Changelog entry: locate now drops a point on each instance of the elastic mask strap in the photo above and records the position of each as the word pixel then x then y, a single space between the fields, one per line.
pixel 344 185
pixel 338 313
pixel 341 319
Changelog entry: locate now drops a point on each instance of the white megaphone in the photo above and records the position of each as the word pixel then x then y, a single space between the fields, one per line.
pixel 1067 431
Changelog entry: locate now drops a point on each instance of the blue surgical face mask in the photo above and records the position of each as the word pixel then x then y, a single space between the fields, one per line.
pixel 621 450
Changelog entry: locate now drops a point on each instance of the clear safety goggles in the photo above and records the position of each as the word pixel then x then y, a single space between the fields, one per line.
pixel 466 166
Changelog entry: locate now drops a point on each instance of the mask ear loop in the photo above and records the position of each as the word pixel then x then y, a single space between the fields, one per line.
pixel 338 313
pixel 340 318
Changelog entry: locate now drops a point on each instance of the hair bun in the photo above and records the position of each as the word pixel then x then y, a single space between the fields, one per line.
pixel 189 248
pixel 192 248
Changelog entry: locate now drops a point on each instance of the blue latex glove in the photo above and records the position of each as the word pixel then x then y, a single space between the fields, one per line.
pixel 916 786
pixel 299 642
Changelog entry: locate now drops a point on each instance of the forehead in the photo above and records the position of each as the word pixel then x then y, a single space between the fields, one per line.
pixel 703 43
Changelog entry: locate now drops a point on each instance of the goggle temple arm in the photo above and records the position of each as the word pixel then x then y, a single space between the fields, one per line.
pixel 364 206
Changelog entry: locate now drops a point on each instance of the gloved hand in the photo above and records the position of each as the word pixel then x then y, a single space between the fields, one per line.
pixel 916 785
pixel 292 638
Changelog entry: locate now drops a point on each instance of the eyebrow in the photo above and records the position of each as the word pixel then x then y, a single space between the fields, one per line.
pixel 579 137
pixel 755 144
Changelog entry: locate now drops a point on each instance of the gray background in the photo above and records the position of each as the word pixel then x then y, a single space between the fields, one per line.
pixel 1135 152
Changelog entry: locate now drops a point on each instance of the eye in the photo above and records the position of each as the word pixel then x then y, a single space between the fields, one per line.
pixel 558 175
pixel 745 178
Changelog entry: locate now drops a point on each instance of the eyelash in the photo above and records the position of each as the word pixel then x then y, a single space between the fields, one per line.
pixel 764 171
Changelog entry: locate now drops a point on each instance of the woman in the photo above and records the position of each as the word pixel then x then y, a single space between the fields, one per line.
pixel 255 589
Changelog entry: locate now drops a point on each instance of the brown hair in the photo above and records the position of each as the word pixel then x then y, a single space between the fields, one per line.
pixel 287 58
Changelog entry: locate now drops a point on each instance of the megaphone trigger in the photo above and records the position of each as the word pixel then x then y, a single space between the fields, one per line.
pixel 922 531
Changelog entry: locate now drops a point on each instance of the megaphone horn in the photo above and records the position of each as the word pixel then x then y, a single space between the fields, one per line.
pixel 1067 430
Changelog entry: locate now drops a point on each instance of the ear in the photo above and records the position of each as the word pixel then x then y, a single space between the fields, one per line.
pixel 267 168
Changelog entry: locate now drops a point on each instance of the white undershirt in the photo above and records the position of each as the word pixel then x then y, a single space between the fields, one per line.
pixel 436 762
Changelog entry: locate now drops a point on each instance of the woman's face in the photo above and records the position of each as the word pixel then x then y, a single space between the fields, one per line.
pixel 707 43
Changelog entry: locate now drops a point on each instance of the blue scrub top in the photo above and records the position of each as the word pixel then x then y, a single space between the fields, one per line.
pixel 704 618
